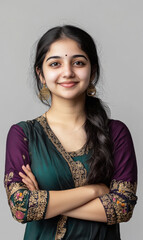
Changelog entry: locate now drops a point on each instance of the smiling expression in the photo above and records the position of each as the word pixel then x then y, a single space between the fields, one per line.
pixel 66 69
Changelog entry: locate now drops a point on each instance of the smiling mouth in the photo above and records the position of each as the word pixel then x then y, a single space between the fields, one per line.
pixel 68 84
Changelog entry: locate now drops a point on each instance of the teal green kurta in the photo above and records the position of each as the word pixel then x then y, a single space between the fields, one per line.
pixel 55 169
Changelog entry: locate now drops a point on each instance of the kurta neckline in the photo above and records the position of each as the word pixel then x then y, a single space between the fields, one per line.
pixel 83 150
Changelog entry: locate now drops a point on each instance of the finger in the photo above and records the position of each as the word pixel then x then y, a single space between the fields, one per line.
pixel 30 175
pixel 27 179
pixel 28 167
pixel 36 185
pixel 31 187
pixel 22 175
pixel 34 179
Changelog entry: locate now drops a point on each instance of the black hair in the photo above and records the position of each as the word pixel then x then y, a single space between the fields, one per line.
pixel 97 121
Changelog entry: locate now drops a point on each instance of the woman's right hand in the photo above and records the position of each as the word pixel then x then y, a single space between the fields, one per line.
pixel 28 178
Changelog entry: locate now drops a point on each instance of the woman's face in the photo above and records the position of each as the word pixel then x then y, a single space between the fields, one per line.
pixel 66 69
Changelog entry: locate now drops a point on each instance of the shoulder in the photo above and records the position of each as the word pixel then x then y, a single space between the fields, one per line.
pixel 23 128
pixel 27 123
pixel 119 131
pixel 125 166
pixel 117 126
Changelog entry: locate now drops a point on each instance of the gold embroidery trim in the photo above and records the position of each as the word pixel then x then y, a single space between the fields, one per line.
pixel 61 230
pixel 37 202
pixel 8 178
pixel 77 169
pixel 120 202
pixel 84 150
pixel 37 205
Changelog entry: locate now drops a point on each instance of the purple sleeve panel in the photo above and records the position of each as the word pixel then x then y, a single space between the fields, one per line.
pixel 120 201
pixel 125 166
pixel 25 205
pixel 17 153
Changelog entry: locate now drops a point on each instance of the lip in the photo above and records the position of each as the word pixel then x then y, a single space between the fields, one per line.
pixel 68 84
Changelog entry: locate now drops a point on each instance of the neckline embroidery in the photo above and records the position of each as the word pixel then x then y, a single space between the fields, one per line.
pixel 78 171
pixel 83 150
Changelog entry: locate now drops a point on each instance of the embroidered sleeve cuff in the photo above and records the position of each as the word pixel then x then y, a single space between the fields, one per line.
pixel 27 205
pixel 37 205
pixel 120 202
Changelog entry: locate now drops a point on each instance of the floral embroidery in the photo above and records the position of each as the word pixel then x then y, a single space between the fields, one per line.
pixel 25 205
pixel 14 187
pixel 119 203
pixel 8 178
pixel 19 196
pixel 19 215
pixel 77 169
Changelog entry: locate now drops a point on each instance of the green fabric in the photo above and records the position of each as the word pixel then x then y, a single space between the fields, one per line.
pixel 53 173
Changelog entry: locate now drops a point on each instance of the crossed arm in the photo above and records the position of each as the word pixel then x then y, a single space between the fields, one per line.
pixel 92 211
pixel 81 202
pixel 91 202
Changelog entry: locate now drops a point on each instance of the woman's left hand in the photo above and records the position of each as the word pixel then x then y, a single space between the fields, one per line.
pixel 29 179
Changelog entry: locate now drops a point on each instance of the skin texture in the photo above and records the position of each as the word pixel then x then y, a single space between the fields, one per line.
pixel 62 64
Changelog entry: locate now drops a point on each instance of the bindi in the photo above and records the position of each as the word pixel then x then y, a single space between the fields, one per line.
pixel 65 55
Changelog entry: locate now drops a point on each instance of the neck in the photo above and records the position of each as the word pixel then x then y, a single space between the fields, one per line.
pixel 69 112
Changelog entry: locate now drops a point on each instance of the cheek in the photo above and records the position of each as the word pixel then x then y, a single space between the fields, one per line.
pixel 51 76
pixel 85 75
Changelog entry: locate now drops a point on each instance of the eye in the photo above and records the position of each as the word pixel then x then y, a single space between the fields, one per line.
pixel 55 64
pixel 79 63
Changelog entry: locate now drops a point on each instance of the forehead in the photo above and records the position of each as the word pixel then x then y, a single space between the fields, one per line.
pixel 65 46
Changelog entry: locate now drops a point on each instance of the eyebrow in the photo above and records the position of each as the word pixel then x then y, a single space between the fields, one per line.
pixel 74 56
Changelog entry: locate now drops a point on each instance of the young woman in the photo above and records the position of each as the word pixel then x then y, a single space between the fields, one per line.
pixel 70 173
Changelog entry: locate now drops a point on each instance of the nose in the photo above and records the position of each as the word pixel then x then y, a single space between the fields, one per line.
pixel 68 71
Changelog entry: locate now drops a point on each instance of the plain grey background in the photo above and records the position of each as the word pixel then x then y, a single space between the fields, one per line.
pixel 117 27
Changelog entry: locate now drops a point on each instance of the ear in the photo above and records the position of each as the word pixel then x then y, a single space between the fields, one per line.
pixel 40 75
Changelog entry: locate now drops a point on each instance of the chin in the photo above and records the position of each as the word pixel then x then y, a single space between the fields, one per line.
pixel 69 95
pixel 74 96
